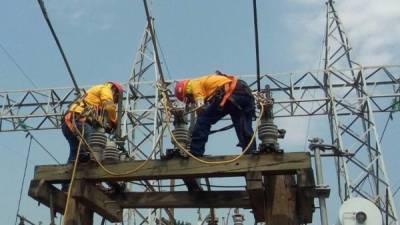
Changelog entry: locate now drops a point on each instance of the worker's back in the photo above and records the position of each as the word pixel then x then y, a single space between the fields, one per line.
pixel 205 86
pixel 95 96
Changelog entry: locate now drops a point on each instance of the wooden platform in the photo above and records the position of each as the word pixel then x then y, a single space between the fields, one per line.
pixel 280 187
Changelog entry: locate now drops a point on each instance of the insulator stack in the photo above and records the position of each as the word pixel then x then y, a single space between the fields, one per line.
pixel 237 217
pixel 111 153
pixel 97 142
pixel 182 136
pixel 268 132
pixel 212 221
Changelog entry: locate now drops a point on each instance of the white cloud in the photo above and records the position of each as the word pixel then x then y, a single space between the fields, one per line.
pixel 83 14
pixel 306 26
pixel 371 27
pixel 373 30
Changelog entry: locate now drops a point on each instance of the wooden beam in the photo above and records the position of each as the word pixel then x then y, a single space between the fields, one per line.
pixel 287 163
pixel 280 200
pixel 78 214
pixel 255 189
pixel 90 196
pixel 42 192
pixel 305 195
pixel 183 199
pixel 45 193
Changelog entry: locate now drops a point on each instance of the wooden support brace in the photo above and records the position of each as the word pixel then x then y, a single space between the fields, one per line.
pixel 183 199
pixel 255 189
pixel 305 196
pixel 287 163
pixel 280 201
pixel 78 214
pixel 45 192
pixel 87 194
pixel 41 191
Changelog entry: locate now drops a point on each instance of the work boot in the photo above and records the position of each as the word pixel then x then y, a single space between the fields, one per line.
pixel 174 153
pixel 251 152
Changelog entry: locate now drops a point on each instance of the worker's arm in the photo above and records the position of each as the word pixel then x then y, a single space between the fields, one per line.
pixel 106 97
pixel 198 92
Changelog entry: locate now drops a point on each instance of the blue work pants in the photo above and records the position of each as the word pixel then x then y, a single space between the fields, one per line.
pixel 73 140
pixel 241 109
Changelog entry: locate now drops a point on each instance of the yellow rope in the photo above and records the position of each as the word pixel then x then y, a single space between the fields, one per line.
pixel 113 173
pixel 167 111
pixel 72 180
pixel 260 98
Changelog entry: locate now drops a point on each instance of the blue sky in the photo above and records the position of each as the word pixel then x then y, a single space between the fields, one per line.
pixel 100 39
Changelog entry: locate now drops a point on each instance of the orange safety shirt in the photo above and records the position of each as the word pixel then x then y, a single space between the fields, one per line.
pixel 98 96
pixel 204 87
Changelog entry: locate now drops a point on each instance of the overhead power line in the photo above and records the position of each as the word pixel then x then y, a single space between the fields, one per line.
pixel 28 133
pixel 17 65
pixel 256 41
pixel 46 17
pixel 23 179
pixel 396 191
pixel 42 147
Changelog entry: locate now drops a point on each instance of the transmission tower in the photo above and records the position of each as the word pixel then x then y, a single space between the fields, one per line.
pixel 364 173
pixel 143 120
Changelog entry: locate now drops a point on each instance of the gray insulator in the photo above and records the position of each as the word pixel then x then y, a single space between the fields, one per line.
pixel 97 142
pixel 237 218
pixel 212 222
pixel 268 132
pixel 111 153
pixel 182 135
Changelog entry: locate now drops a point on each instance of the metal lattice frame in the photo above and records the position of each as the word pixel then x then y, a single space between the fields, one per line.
pixel 296 95
pixel 144 119
pixel 364 173
pixel 39 109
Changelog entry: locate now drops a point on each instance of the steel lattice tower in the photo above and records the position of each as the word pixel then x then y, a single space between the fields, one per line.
pixel 144 117
pixel 364 173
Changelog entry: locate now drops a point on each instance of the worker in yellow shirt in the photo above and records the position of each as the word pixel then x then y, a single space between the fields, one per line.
pixel 217 95
pixel 97 108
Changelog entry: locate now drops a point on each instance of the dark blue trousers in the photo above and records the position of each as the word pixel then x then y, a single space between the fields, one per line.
pixel 241 118
pixel 73 141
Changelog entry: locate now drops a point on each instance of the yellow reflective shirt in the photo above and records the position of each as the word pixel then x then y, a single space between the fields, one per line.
pixel 100 97
pixel 205 86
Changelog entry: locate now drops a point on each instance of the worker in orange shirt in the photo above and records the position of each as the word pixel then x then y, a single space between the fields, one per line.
pixel 97 108
pixel 217 95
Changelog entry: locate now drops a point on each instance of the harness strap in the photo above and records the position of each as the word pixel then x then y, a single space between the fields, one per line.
pixel 228 89
pixel 70 118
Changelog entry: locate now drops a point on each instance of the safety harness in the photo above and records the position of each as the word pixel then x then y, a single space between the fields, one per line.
pixel 225 93
pixel 227 89
pixel 93 115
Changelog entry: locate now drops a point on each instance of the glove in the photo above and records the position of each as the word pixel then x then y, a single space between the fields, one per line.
pixel 199 105
pixel 199 102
